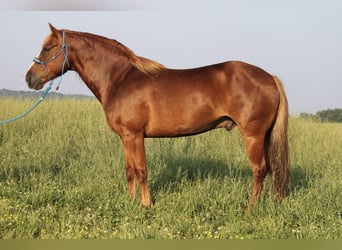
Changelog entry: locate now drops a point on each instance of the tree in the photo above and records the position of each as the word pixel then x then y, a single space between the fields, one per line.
pixel 329 115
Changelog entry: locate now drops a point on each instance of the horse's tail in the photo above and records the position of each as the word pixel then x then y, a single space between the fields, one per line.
pixel 277 149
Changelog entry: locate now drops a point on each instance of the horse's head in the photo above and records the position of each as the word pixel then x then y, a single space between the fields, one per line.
pixel 50 61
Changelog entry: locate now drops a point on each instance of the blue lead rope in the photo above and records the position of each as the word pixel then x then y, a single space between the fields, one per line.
pixel 46 91
pixel 64 51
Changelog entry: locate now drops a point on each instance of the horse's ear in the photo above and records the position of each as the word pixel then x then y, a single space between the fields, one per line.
pixel 53 29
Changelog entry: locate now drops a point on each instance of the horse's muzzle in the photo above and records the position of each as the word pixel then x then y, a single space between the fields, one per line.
pixel 33 82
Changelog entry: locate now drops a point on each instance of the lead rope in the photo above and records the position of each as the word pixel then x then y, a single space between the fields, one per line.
pixel 64 51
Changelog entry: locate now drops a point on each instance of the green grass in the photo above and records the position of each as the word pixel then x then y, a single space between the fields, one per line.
pixel 62 176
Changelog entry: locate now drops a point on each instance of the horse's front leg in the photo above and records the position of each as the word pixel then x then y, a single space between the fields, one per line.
pixel 134 150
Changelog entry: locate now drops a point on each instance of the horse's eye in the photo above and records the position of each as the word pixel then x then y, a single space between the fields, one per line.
pixel 47 48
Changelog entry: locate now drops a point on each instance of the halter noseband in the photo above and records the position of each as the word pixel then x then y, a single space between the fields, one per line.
pixel 64 51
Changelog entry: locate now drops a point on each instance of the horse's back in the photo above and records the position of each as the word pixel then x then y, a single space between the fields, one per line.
pixel 234 88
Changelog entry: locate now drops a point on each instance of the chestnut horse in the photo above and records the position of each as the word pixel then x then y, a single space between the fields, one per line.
pixel 141 98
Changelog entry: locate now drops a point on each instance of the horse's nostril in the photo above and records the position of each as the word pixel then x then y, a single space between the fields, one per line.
pixel 28 78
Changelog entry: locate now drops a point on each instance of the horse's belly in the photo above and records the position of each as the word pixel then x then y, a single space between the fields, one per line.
pixel 175 131
pixel 180 126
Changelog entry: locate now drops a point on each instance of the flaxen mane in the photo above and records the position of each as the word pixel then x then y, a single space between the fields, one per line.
pixel 144 65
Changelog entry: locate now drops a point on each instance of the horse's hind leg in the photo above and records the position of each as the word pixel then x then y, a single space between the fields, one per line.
pixel 255 149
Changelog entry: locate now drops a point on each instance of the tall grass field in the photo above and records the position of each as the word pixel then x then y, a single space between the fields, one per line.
pixel 62 176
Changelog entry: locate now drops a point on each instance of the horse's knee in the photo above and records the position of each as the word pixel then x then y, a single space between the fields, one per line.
pixel 130 174
pixel 141 175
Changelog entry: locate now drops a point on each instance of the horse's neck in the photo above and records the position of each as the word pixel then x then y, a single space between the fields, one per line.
pixel 100 69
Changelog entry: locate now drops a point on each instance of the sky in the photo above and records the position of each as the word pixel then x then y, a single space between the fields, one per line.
pixel 299 41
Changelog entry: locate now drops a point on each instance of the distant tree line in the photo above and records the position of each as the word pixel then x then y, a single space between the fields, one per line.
pixel 6 93
pixel 328 115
